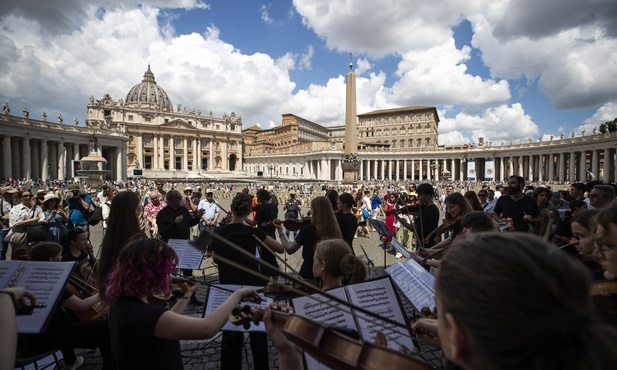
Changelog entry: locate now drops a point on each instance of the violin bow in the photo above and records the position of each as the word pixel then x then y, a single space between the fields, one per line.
pixel 201 243
pixel 284 261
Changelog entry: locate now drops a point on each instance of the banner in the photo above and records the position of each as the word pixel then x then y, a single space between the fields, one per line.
pixel 471 170
pixel 488 169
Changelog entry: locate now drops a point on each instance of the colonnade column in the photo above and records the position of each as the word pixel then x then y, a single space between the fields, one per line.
pixel 44 161
pixel 35 160
pixel 595 164
pixel 25 158
pixel 185 154
pixel 62 160
pixel 6 157
pixel 551 168
pixel 562 167
pixel 540 165
pixel 582 166
pixel 16 159
pixel 196 164
pixel 571 169
pixel 606 168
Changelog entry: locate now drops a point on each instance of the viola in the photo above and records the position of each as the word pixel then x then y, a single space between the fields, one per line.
pixel 604 288
pixel 329 345
pixel 82 290
pixel 295 225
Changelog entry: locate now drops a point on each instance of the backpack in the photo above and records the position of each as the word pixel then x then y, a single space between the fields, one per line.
pixel 95 216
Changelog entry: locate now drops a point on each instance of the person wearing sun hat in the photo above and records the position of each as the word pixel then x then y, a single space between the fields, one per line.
pixel 6 203
pixel 54 216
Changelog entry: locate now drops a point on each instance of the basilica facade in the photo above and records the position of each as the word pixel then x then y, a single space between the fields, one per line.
pixel 166 141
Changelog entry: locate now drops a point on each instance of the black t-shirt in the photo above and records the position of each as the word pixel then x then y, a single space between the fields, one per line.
pixel 506 207
pixel 133 345
pixel 68 256
pixel 427 222
pixel 264 215
pixel 241 235
pixel 307 238
pixel 349 225
pixel 169 229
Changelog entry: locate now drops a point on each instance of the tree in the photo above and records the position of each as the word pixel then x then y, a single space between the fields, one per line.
pixel 609 126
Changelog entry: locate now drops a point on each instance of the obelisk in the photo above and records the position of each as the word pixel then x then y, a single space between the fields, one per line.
pixel 351 127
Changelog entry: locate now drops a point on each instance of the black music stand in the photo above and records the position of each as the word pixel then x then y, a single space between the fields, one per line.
pixel 384 232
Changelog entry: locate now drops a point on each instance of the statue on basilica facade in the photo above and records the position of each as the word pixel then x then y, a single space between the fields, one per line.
pixel 572 134
pixel 44 117
pixel 6 110
pixel 562 135
pixel 551 137
pixel 91 99
pixel 60 119
pixel 583 133
pixel 26 113
pixel 75 121
pixel 179 107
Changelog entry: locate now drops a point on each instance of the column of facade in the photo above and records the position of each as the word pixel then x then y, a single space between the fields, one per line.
pixel 571 167
pixel 196 157
pixel 26 155
pixel 53 160
pixel 461 169
pixel 413 170
pixel 453 169
pixel 500 174
pixel 382 173
pixel 155 153
pixel 551 168
pixel 429 170
pixel 606 166
pixel 161 158
pixel 120 170
pixel 325 170
pixel 582 166
pixel 62 161
pixel 420 168
pixel 211 151
pixel 6 157
pixel 76 152
pixel 35 160
pixel 404 170
pixel 44 161
pixel 397 169
pixel 225 155
pixel 185 153
pixel 139 150
pixel 562 167
pixel 595 163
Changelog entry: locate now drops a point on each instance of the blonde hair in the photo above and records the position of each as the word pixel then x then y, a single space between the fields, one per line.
pixel 340 261
pixel 324 219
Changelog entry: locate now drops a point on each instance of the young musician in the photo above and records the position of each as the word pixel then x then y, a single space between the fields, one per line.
pixel 333 261
pixel 64 330
pixel 583 239
pixel 323 225
pixel 145 335
pixel 536 315
pixel 605 235
pixel 243 235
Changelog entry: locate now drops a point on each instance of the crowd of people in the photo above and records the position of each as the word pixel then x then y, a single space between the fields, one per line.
pixel 553 251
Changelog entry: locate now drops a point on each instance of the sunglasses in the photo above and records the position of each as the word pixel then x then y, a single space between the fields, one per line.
pixel 481 195
pixel 27 196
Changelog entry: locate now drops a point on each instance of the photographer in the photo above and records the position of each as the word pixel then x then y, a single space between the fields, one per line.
pixel 78 204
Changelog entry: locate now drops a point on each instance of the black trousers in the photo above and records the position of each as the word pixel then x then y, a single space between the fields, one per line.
pixel 231 350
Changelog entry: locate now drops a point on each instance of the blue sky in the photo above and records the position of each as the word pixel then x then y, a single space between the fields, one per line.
pixel 503 70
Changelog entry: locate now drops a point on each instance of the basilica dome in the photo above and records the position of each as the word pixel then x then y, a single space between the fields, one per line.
pixel 148 94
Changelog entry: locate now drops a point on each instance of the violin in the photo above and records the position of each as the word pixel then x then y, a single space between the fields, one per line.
pixel 445 226
pixel 331 346
pixel 295 225
pixel 604 288
pixel 81 289
pixel 177 287
pixel 282 291
pixel 86 270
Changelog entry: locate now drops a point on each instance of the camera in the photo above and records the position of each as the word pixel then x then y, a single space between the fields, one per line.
pixel 75 193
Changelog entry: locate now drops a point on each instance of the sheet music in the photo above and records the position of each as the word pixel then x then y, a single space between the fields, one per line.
pixel 378 296
pixel 414 284
pixel 324 313
pixel 216 297
pixel 400 248
pixel 189 257
pixel 46 280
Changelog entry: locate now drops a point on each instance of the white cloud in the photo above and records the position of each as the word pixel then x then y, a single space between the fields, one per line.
pixel 306 58
pixel 494 124
pixel 439 76
pixel 265 15
pixel 607 112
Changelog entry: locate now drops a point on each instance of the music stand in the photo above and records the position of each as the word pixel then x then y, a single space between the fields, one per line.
pixel 384 232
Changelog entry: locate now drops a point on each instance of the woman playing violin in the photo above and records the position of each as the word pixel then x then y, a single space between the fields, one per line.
pixel 347 221
pixel 144 335
pixel 243 235
pixel 74 244
pixel 605 236
pixel 323 225
pixel 528 307
pixel 583 240
pixel 64 330
pixel 456 208
pixel 333 261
